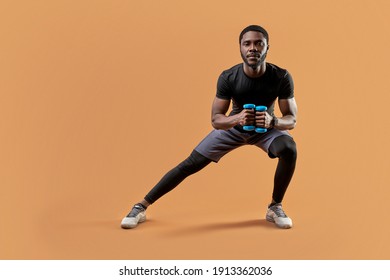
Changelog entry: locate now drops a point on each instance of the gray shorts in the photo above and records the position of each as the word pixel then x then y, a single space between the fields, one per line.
pixel 219 142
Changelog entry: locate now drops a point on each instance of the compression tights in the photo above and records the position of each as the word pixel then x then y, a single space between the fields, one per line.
pixel 194 163
pixel 285 149
pixel 282 147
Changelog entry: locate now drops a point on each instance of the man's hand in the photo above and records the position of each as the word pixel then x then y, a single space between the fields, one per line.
pixel 246 117
pixel 263 119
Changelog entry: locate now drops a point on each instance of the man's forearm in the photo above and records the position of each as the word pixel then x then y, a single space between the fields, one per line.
pixel 221 121
pixel 287 122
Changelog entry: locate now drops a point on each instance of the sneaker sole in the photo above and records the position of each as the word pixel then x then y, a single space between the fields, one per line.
pixel 284 226
pixel 130 226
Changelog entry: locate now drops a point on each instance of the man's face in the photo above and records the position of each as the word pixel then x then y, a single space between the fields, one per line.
pixel 254 47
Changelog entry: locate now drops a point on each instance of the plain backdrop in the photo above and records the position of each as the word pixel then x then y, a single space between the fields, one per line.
pixel 100 98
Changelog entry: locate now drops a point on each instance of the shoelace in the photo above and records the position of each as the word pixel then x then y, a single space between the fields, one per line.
pixel 278 211
pixel 135 211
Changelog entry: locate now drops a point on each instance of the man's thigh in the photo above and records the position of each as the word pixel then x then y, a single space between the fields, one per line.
pixel 220 142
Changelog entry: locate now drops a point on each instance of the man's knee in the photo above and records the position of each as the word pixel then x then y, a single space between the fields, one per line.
pixel 290 150
pixel 284 147
pixel 194 163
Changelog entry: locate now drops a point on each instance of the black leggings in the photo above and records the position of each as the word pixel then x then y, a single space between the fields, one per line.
pixel 285 149
pixel 194 163
pixel 282 147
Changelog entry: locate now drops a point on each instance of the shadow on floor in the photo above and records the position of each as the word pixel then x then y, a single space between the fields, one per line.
pixel 214 227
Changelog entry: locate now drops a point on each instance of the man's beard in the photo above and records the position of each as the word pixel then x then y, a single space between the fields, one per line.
pixel 254 65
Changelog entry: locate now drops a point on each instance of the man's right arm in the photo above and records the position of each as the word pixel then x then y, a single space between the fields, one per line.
pixel 219 120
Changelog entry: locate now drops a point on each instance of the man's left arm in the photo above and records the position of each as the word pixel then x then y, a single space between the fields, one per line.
pixel 288 108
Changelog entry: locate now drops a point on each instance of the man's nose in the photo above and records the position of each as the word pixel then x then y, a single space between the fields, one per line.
pixel 253 48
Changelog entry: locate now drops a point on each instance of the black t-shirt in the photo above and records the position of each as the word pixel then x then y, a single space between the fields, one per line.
pixel 234 84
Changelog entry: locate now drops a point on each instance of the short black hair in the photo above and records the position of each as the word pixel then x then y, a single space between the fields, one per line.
pixel 256 28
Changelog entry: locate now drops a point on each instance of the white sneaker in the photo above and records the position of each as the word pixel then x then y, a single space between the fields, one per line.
pixel 275 214
pixel 136 215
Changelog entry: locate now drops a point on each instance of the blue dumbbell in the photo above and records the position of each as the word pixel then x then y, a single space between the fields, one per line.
pixel 252 127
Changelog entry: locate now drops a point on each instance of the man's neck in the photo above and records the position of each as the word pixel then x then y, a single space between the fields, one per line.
pixel 256 72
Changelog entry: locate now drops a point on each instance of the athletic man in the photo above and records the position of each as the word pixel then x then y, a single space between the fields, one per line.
pixel 257 82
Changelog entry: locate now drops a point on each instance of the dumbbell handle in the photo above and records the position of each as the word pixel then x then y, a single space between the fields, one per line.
pixel 252 127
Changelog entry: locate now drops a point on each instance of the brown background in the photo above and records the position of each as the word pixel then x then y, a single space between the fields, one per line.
pixel 98 99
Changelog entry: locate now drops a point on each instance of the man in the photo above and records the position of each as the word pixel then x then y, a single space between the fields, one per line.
pixel 252 82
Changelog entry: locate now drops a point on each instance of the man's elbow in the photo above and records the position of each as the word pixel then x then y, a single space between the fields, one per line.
pixel 293 124
pixel 216 121
pixel 216 125
pixel 213 122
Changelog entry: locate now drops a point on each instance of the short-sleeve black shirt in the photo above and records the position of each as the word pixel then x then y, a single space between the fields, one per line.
pixel 234 84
